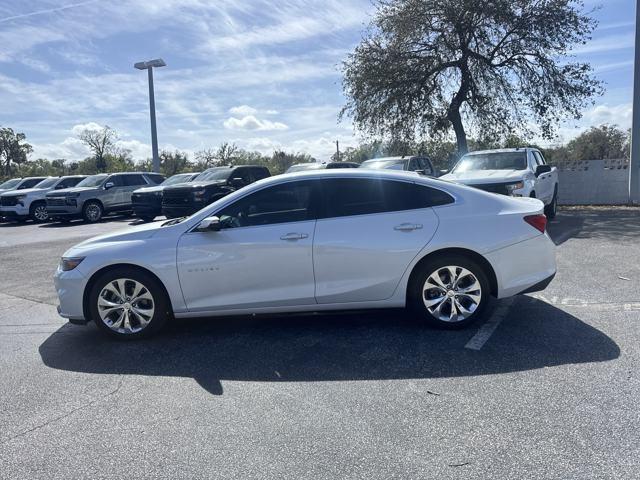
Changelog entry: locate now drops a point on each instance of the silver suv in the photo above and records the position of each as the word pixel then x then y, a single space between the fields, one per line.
pixel 98 195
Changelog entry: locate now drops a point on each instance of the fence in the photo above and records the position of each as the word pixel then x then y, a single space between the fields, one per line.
pixel 594 182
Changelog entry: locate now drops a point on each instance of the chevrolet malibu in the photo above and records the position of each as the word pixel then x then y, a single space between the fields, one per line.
pixel 315 241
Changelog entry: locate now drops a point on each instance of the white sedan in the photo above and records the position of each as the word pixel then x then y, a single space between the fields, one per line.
pixel 315 241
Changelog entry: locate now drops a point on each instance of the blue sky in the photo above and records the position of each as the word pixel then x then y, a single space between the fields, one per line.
pixel 262 74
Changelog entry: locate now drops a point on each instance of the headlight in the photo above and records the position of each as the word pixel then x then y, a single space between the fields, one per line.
pixel 158 194
pixel 70 263
pixel 20 198
pixel 198 193
pixel 71 201
pixel 514 186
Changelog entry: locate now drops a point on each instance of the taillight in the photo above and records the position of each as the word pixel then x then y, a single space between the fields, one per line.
pixel 539 222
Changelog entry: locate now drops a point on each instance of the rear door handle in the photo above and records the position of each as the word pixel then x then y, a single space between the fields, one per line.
pixel 407 227
pixel 293 236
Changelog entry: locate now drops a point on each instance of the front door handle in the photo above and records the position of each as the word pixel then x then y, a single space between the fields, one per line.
pixel 407 227
pixel 293 236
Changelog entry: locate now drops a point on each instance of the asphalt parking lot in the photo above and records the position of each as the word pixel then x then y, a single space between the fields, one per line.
pixel 547 388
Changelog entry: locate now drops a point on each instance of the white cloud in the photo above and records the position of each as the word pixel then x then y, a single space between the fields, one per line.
pixel 81 127
pixel 250 122
pixel 243 110
pixel 617 114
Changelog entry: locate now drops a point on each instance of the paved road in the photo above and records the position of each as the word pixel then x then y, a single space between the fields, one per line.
pixel 551 394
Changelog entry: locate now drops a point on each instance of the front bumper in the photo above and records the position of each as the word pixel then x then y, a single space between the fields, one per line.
pixel 14 212
pixel 70 288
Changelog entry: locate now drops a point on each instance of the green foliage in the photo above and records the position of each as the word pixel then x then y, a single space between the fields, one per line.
pixel 430 66
pixel 13 150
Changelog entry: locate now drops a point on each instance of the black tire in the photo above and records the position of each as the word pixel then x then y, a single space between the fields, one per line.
pixel 38 212
pixel 417 296
pixel 160 303
pixel 551 210
pixel 92 211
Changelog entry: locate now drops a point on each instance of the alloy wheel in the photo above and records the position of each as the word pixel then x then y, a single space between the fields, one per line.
pixel 93 212
pixel 452 293
pixel 126 306
pixel 40 213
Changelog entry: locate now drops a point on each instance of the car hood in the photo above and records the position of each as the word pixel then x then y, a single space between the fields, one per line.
pixel 139 232
pixel 485 176
pixel 26 191
pixel 154 189
pixel 65 191
pixel 196 185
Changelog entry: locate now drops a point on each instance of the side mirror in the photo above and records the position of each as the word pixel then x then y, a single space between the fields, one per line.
pixel 109 185
pixel 443 172
pixel 209 224
pixel 540 169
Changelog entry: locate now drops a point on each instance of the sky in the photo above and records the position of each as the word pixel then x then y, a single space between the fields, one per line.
pixel 261 74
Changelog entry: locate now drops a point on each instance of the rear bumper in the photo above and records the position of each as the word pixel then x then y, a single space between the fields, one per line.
pixel 524 267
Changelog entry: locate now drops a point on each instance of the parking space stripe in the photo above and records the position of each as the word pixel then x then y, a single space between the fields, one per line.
pixel 485 332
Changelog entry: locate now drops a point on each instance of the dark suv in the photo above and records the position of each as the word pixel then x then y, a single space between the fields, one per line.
pixel 147 201
pixel 211 185
pixel 98 195
pixel 418 164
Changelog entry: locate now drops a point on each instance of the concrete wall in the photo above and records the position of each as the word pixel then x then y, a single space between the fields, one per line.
pixel 594 182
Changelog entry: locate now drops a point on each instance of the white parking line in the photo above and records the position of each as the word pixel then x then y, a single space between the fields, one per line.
pixel 485 332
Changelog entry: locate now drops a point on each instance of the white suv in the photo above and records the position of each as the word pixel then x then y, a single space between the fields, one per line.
pixel 30 203
pixel 517 172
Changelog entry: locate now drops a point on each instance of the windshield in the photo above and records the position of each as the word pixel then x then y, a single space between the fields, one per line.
pixel 219 173
pixel 305 166
pixel 385 164
pixel 47 183
pixel 10 184
pixel 180 178
pixel 92 181
pixel 492 161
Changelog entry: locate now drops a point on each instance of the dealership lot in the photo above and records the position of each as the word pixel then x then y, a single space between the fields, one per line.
pixel 547 388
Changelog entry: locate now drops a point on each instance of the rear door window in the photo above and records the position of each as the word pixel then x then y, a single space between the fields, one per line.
pixel 359 196
pixel 133 180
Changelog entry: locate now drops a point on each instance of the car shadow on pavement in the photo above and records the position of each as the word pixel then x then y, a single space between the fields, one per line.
pixel 611 224
pixel 378 345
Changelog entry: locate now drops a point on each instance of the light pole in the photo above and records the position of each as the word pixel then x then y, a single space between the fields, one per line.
pixel 634 163
pixel 148 66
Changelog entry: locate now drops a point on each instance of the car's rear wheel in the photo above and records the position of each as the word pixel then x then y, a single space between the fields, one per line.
pixel 128 303
pixel 449 292
pixel 92 211
pixel 38 212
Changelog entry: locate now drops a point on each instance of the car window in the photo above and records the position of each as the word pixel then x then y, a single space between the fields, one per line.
pixel 155 178
pixel 539 158
pixel 68 182
pixel 133 180
pixel 29 183
pixel 259 174
pixel 116 180
pixel 414 165
pixel 362 196
pixel 425 165
pixel 286 203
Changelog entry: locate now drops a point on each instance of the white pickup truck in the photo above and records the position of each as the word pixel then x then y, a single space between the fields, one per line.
pixel 517 172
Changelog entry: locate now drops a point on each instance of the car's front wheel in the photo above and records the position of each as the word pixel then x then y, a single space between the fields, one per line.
pixel 38 212
pixel 128 303
pixel 92 211
pixel 449 292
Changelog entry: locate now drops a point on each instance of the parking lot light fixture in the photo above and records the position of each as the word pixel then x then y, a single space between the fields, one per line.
pixel 149 66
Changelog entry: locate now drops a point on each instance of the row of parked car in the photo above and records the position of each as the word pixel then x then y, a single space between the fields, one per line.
pixel 514 172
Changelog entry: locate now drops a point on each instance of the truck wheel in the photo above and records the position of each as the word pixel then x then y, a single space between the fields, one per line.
pixel 92 211
pixel 38 212
pixel 551 209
